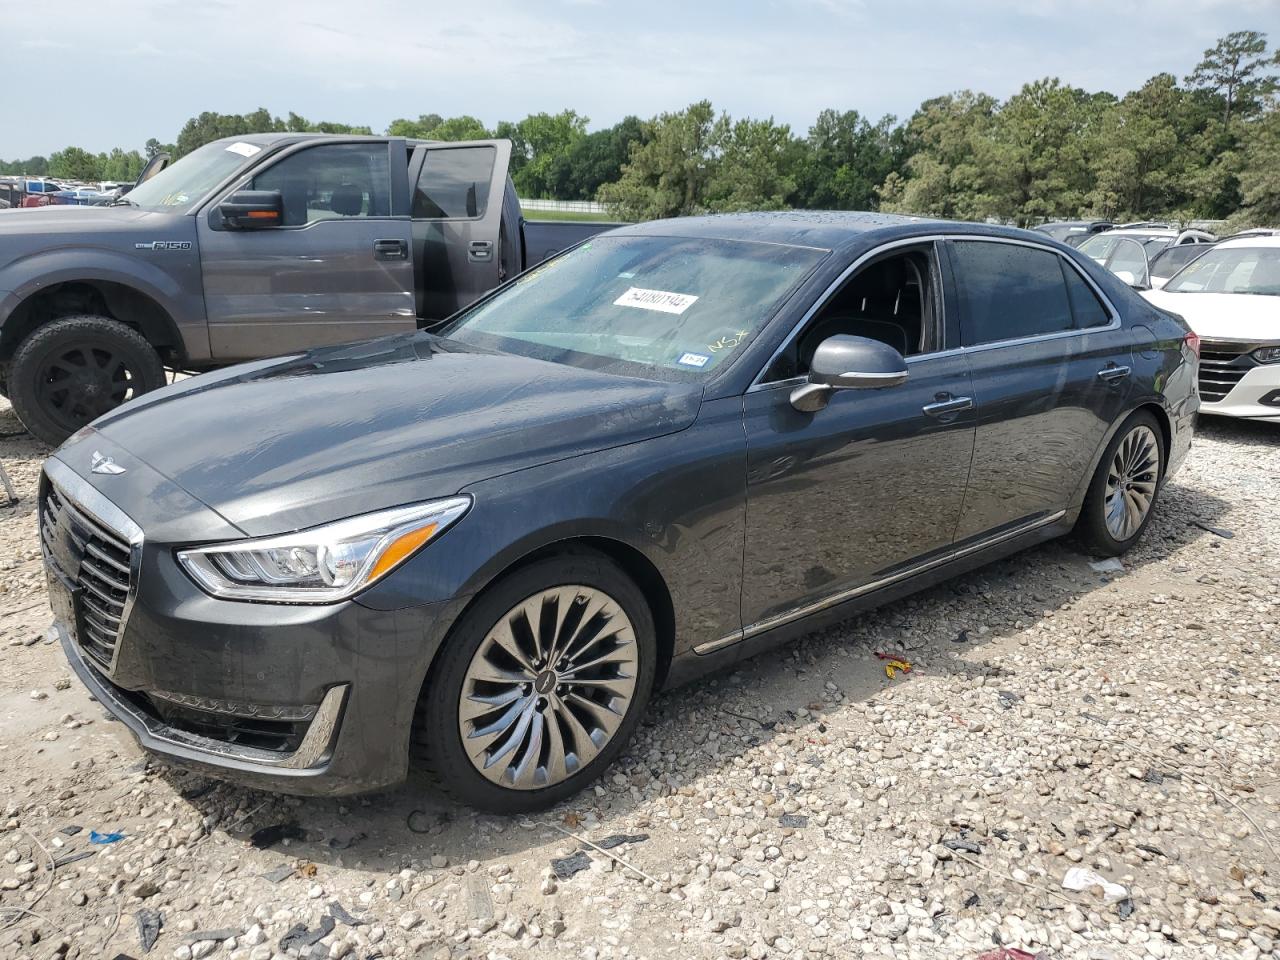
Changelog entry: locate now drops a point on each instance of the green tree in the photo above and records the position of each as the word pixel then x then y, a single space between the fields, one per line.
pixel 754 168
pixel 845 158
pixel 120 165
pixel 1239 69
pixel 34 166
pixel 669 172
pixel 459 128
pixel 1259 174
pixel 154 146
pixel 297 124
pixel 210 126
pixel 595 159
pixel 544 140
pixel 73 163
pixel 415 129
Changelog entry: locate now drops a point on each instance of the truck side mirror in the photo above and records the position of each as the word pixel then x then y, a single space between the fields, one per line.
pixel 252 210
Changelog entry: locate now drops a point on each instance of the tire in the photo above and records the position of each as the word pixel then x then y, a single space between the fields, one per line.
pixel 527 776
pixel 1128 476
pixel 74 369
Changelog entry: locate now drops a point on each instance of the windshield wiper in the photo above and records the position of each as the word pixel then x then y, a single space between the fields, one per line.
pixel 122 202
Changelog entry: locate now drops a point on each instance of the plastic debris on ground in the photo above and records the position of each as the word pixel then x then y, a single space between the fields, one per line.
pixel 104 838
pixel 1110 565
pixel 959 843
pixel 566 867
pixel 618 839
pixel 1080 878
pixel 339 913
pixel 150 923
pixel 217 936
pixel 300 936
pixel 793 820
pixel 72 858
pixel 1222 532
pixel 1010 953
pixel 893 662
pixel 279 874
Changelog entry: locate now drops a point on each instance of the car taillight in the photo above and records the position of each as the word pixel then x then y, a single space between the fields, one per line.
pixel 1192 340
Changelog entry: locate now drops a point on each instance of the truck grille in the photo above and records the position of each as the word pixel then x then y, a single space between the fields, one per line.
pixel 1222 366
pixel 97 561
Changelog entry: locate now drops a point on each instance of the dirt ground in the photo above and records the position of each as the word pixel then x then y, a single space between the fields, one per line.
pixel 1056 717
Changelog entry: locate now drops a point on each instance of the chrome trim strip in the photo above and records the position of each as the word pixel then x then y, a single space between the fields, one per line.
pixel 835 285
pixel 314 751
pixel 84 498
pixel 817 606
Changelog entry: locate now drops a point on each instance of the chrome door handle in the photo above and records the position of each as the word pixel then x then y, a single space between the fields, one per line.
pixel 1112 373
pixel 946 404
pixel 480 251
pixel 390 250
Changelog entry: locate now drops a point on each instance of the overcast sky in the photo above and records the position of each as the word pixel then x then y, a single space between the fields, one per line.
pixel 102 75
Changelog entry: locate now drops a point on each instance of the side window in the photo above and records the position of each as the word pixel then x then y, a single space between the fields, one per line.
pixel 331 182
pixel 892 299
pixel 1007 291
pixel 1086 308
pixel 454 183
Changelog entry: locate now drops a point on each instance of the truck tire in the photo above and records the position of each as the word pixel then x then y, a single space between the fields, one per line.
pixel 74 369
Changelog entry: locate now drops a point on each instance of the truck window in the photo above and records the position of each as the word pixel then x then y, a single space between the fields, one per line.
pixel 331 181
pixel 454 183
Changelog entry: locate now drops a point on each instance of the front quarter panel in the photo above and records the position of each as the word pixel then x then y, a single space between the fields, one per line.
pixel 679 500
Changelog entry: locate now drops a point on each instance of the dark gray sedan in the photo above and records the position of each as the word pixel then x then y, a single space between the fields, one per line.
pixel 484 547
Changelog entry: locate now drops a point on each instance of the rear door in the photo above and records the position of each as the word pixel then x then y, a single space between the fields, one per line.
pixel 458 191
pixel 1051 371
pixel 337 269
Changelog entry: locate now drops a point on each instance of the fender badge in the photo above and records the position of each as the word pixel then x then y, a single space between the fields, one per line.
pixel 100 464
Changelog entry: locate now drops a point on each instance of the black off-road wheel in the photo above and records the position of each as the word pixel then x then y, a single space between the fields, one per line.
pixel 539 686
pixel 1123 493
pixel 74 369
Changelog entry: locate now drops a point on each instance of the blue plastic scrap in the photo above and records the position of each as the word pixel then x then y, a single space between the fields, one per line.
pixel 96 837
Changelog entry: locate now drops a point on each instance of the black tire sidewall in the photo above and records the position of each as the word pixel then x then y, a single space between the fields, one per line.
pixel 62 334
pixel 437 740
pixel 1093 518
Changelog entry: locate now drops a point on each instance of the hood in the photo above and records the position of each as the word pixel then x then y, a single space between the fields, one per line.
pixel 1224 316
pixel 290 443
pixel 74 219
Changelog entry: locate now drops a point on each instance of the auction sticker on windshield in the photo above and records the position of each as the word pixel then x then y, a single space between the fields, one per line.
pixel 660 300
pixel 244 149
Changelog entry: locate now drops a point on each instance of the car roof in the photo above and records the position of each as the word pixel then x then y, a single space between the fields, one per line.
pixel 1255 241
pixel 822 229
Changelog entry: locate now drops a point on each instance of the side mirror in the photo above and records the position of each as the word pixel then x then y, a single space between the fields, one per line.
pixel 848 363
pixel 252 210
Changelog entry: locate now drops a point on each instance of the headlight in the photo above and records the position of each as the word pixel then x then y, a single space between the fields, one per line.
pixel 323 564
pixel 1267 355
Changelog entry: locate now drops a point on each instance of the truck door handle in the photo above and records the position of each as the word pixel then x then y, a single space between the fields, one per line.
pixel 480 251
pixel 1112 373
pixel 945 404
pixel 391 250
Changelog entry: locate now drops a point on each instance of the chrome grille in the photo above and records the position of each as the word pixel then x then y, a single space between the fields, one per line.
pixel 1222 366
pixel 97 560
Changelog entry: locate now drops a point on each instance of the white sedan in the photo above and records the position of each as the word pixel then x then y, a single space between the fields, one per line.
pixel 1230 296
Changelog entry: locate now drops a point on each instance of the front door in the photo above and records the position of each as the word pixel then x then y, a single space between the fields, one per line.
pixel 864 489
pixel 337 269
pixel 457 222
pixel 1051 372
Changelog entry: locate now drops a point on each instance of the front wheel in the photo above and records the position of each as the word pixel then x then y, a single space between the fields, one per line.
pixel 540 685
pixel 1123 492
pixel 74 369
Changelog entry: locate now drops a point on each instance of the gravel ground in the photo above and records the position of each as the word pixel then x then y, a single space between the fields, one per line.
pixel 1056 718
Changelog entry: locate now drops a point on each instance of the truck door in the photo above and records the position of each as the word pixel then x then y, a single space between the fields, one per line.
pixel 336 268
pixel 457 222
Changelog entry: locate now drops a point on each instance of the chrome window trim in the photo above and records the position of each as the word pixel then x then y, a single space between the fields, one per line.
pixel 760 384
pixel 86 499
pixel 817 606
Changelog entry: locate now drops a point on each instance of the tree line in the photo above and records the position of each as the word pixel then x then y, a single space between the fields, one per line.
pixel 1203 147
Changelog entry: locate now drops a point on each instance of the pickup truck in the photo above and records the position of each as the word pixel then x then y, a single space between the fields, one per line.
pixel 252 247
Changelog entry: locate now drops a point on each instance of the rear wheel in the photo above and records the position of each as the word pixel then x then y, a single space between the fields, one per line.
pixel 74 369
pixel 1123 492
pixel 540 685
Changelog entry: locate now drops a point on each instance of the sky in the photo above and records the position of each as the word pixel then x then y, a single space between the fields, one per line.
pixel 103 75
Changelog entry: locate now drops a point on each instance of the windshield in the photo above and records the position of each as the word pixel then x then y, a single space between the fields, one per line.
pixel 658 307
pixel 1173 259
pixel 175 188
pixel 1253 270
pixel 1101 245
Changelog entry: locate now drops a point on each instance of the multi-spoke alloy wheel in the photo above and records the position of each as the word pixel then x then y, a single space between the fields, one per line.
pixel 548 687
pixel 1132 478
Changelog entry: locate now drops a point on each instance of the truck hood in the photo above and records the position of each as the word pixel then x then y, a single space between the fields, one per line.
pixel 289 443
pixel 76 220
pixel 1223 316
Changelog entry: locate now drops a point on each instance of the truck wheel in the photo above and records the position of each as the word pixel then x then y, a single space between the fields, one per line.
pixel 74 369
